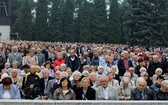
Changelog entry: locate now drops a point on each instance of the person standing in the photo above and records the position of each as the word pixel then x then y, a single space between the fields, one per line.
pixel 40 56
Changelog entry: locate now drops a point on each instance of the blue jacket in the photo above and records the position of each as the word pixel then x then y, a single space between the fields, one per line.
pixel 14 92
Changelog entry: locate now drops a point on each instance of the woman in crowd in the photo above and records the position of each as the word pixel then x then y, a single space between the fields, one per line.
pixel 48 65
pixel 145 75
pixel 64 92
pixel 157 73
pixel 95 60
pixel 76 79
pixel 85 92
pixel 9 90
pixel 59 60
pixel 125 89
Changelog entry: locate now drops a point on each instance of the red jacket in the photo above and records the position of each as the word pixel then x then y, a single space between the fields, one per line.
pixel 58 62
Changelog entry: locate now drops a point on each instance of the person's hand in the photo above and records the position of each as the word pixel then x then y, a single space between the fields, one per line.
pixel 44 97
pixel 31 86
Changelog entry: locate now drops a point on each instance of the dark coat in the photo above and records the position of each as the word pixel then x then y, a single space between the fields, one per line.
pixel 137 68
pixel 42 85
pixel 90 94
pixel 121 66
pixel 32 79
pixel 136 94
pixel 152 67
pixel 68 62
pixel 159 95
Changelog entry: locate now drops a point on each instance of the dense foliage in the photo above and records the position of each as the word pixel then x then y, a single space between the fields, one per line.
pixel 135 22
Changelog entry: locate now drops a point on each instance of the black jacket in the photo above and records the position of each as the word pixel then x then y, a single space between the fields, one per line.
pixel 152 68
pixel 137 68
pixel 136 94
pixel 77 66
pixel 159 95
pixel 90 94
pixel 32 79
pixel 42 85
pixel 121 66
pixel 2 62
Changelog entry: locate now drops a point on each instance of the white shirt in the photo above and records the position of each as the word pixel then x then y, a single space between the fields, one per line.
pixel 6 95
pixel 106 90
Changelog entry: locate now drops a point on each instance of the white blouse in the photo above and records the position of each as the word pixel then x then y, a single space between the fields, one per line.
pixel 6 95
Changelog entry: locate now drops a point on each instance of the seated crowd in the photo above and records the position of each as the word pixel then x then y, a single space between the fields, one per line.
pixel 79 71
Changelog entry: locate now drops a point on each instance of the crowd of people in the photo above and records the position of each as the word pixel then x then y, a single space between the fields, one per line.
pixel 82 71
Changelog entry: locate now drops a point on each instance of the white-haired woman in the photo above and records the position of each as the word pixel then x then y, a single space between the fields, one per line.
pixel 145 75
pixel 76 79
pixel 157 73
pixel 125 89
pixel 127 74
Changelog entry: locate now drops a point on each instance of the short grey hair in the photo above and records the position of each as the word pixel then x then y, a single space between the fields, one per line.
pixel 125 80
pixel 62 73
pixel 15 62
pixel 104 77
pixel 127 73
pixel 164 83
pixel 63 65
pixel 144 74
pixel 76 72
pixel 158 69
pixel 85 71
pixel 142 68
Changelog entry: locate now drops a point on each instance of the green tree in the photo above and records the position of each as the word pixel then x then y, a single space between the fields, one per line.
pixel 41 22
pixel 136 23
pixel 68 21
pixel 55 22
pixel 158 22
pixel 86 21
pixel 114 23
pixel 16 13
pixel 99 22
pixel 26 20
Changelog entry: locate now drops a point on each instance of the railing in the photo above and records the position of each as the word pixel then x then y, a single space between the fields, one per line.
pixel 80 102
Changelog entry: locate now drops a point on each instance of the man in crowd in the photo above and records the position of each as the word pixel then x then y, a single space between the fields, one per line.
pixel 141 92
pixel 73 61
pixel 124 63
pixel 15 56
pixel 40 56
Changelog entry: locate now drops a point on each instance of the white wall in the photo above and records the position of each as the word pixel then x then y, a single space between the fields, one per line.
pixel 5 32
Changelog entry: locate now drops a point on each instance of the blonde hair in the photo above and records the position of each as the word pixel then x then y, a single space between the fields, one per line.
pixel 85 78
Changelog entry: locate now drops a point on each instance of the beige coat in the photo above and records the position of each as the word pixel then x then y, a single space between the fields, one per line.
pixel 59 95
pixel 122 93
pixel 18 81
pixel 112 94
pixel 31 60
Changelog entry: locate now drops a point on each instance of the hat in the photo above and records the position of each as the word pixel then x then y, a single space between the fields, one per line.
pixel 4 75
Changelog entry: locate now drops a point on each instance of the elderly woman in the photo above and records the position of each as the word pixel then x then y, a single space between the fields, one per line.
pixel 63 67
pixel 9 90
pixel 76 79
pixel 125 89
pixel 85 73
pixel 145 75
pixel 48 65
pixel 127 74
pixel 64 92
pixel 85 92
pixel 98 83
pixel 14 66
pixel 157 73
pixel 100 71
